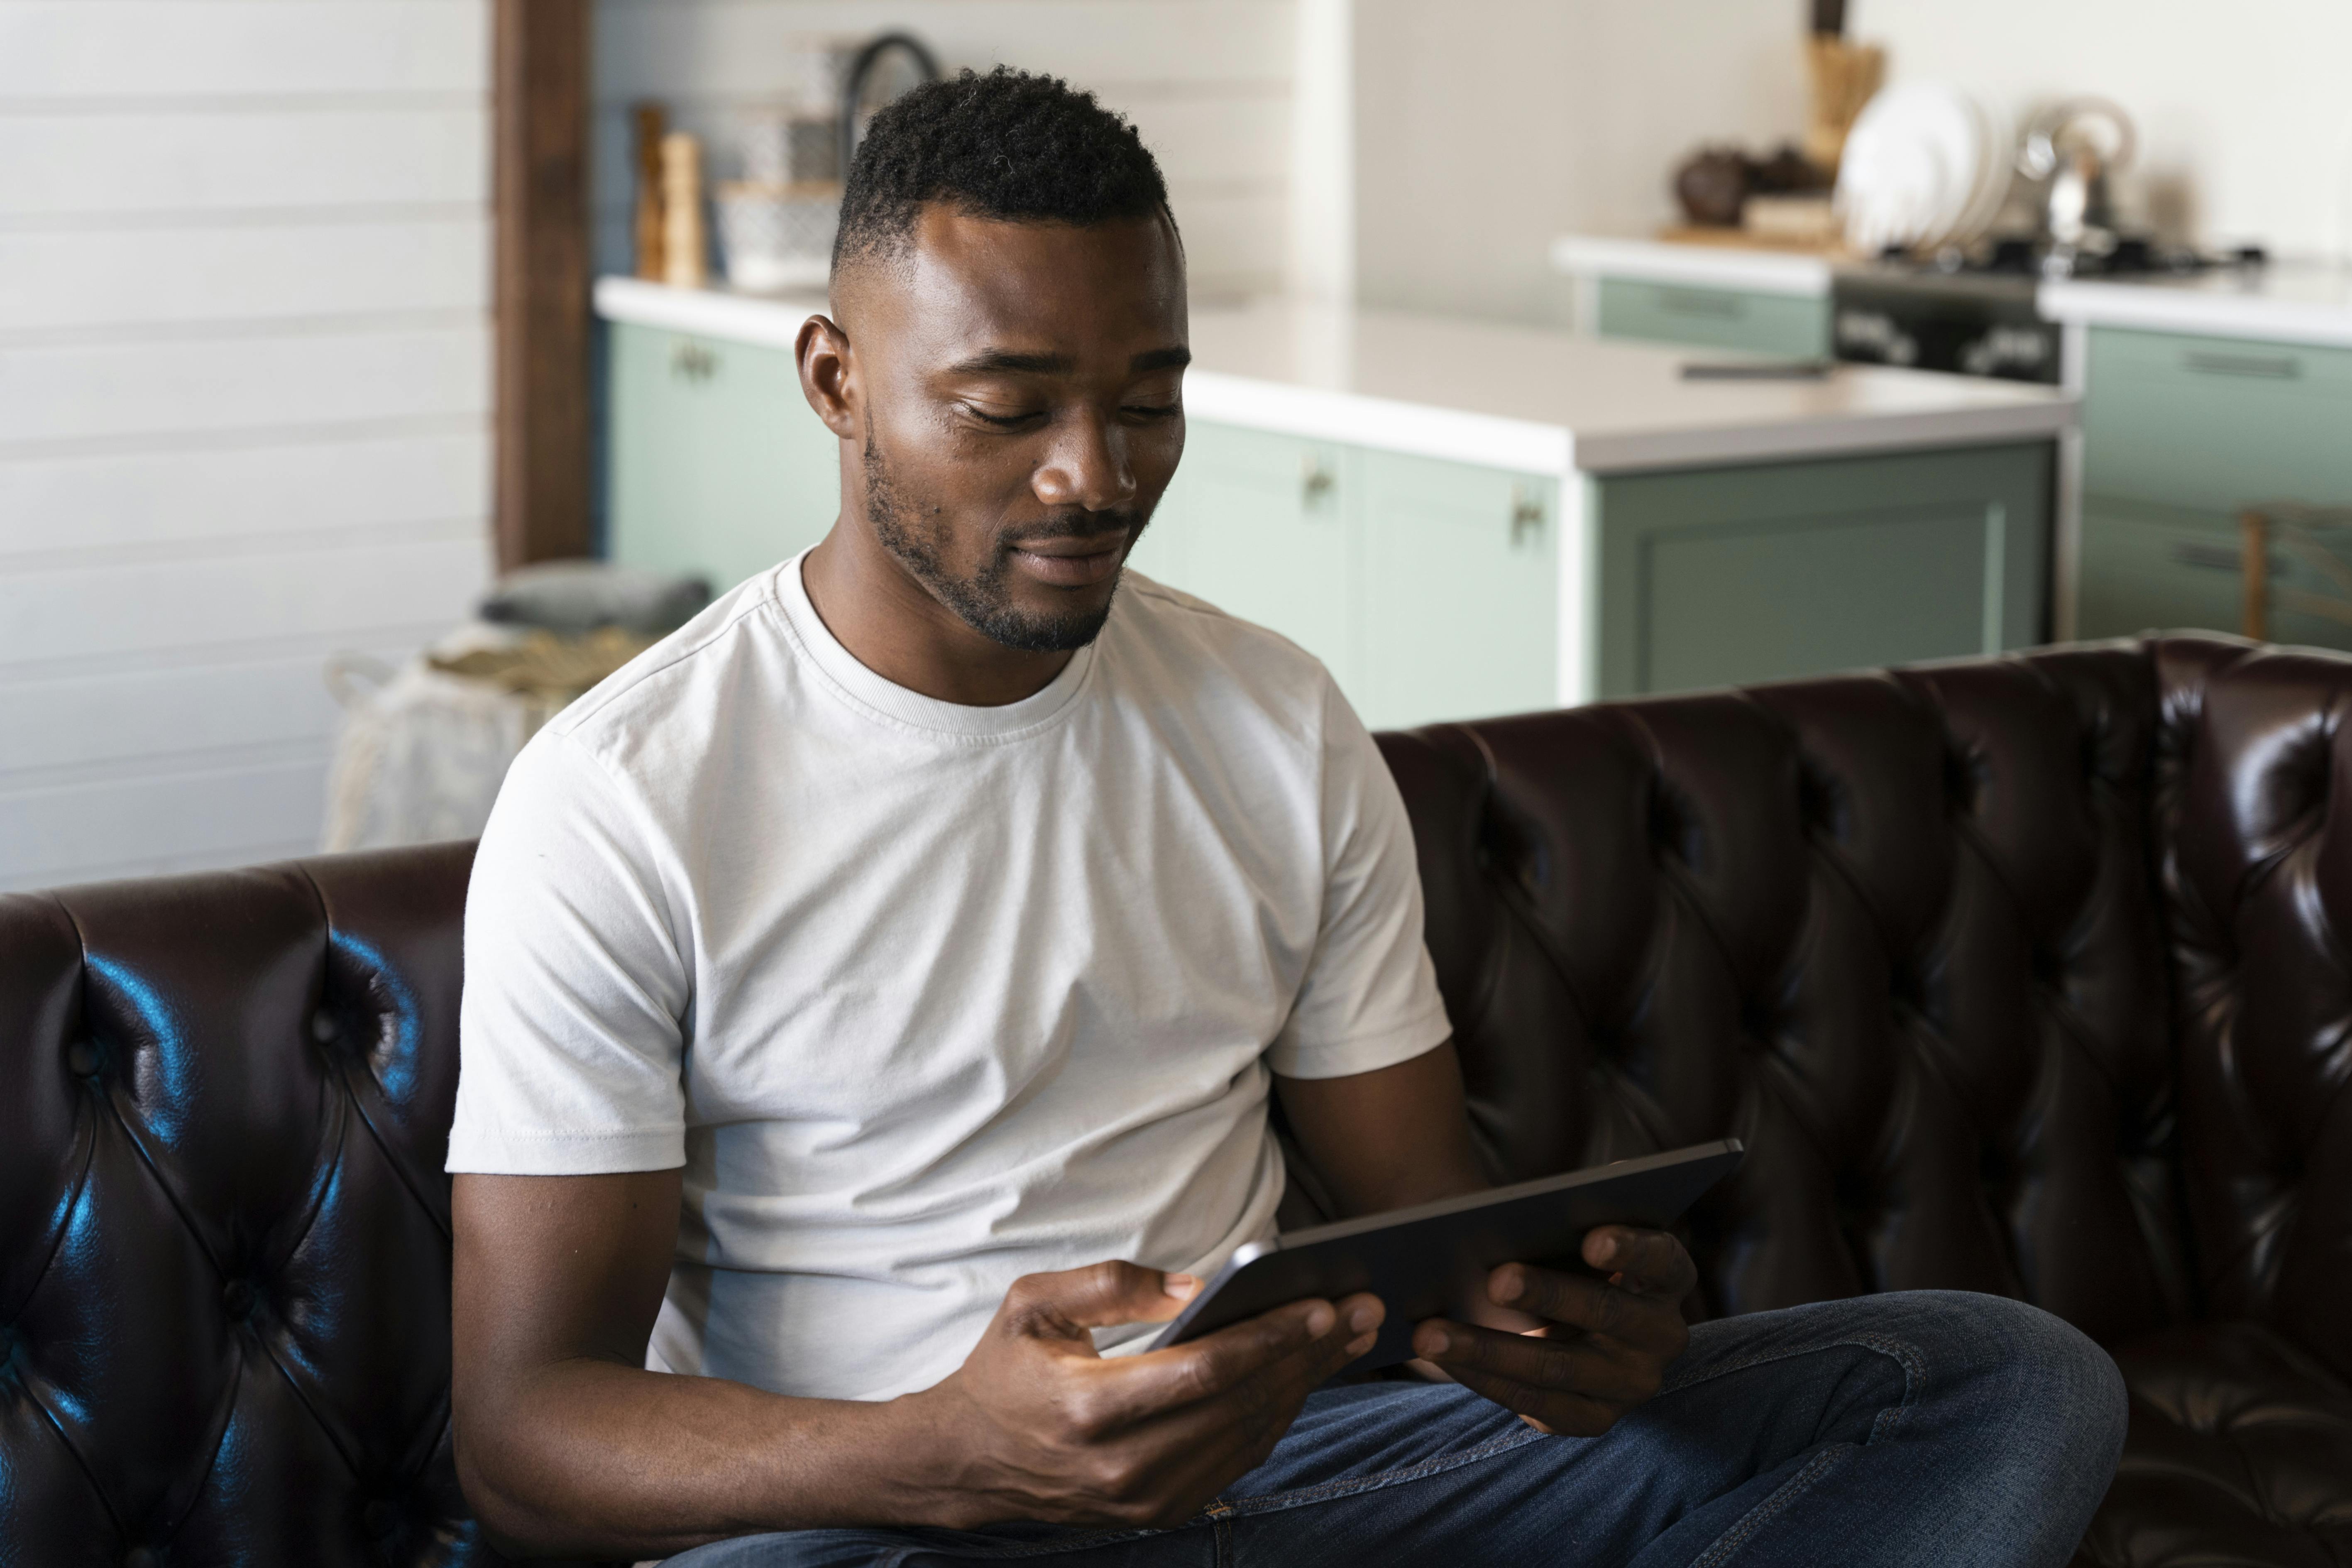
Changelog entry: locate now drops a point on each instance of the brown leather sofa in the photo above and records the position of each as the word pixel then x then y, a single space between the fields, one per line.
pixel 2028 976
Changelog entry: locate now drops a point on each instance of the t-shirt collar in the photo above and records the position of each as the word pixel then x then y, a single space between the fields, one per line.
pixel 887 699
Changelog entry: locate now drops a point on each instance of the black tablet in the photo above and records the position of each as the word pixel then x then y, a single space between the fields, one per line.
pixel 1432 1261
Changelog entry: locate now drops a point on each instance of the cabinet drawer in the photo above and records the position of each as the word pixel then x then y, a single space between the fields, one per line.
pixel 714 463
pixel 1262 526
pixel 2153 568
pixel 1714 317
pixel 2213 424
pixel 1728 576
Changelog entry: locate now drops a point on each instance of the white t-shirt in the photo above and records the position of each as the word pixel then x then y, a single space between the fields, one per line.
pixel 924 997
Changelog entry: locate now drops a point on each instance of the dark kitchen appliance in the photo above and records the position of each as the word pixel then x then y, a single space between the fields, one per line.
pixel 1974 313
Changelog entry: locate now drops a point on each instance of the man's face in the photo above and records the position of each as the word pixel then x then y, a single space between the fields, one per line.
pixel 1024 410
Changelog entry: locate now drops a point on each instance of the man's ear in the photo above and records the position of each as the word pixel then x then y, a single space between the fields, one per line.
pixel 822 353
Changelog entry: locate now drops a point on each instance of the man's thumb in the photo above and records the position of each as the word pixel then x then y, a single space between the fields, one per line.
pixel 1064 1304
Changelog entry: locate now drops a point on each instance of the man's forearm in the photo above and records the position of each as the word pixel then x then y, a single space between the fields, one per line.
pixel 590 1456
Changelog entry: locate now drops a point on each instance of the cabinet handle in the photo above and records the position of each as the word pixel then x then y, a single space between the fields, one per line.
pixel 2212 557
pixel 1316 479
pixel 1702 303
pixel 2264 367
pixel 1527 514
pixel 690 361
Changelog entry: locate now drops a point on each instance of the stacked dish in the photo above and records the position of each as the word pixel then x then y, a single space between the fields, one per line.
pixel 1926 166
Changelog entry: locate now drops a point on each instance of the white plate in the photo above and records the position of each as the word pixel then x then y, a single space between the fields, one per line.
pixel 1914 171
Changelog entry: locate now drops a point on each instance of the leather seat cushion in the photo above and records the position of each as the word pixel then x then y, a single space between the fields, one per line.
pixel 2241 1451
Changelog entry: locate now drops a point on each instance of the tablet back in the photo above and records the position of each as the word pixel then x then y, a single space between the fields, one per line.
pixel 1432 1261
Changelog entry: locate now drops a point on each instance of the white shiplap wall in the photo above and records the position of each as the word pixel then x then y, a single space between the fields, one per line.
pixel 244 403
pixel 1208 82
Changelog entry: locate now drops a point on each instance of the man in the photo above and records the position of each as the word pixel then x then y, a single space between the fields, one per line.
pixel 875 989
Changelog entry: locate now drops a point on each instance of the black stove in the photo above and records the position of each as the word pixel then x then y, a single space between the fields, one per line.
pixel 1972 312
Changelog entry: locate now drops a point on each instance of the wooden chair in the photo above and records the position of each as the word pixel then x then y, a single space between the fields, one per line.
pixel 2297 529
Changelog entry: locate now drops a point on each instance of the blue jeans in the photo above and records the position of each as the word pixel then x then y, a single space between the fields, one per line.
pixel 1924 1427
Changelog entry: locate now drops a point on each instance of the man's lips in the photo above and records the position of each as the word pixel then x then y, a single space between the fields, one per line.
pixel 1072 562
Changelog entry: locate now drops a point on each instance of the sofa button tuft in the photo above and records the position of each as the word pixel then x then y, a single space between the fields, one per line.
pixel 378 1519
pixel 323 1027
pixel 140 1557
pixel 237 1299
pixel 81 1058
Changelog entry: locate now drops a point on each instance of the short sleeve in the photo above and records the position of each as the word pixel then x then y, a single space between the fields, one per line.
pixel 571 1030
pixel 1370 998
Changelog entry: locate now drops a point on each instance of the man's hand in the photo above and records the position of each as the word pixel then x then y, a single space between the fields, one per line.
pixel 1035 1425
pixel 1603 1347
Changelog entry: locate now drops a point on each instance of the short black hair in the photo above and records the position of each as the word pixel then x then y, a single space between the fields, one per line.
pixel 1007 145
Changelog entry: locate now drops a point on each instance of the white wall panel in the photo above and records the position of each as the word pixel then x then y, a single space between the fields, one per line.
pixel 77 727
pixel 674 48
pixel 226 160
pixel 60 281
pixel 183 498
pixel 244 389
pixel 83 49
pixel 166 821
pixel 52 392
pixel 167 608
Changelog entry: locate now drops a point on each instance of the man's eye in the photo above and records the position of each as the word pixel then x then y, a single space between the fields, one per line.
pixel 1003 421
pixel 1154 410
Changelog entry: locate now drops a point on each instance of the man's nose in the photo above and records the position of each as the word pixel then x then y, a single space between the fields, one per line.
pixel 1087 466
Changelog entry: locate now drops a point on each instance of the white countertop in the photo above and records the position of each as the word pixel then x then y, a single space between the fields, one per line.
pixel 2286 302
pixel 1757 271
pixel 1500 396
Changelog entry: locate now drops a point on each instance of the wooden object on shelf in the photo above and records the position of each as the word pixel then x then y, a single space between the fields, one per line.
pixel 684 245
pixel 1843 77
pixel 652 123
pixel 539 163
pixel 2295 528
pixel 1746 239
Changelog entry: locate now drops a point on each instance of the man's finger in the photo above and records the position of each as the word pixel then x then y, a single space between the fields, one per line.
pixel 1652 1263
pixel 1064 1304
pixel 1549 1409
pixel 1247 1354
pixel 1571 1366
pixel 1649 1323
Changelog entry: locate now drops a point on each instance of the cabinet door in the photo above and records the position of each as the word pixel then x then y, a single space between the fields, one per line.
pixel 1260 525
pixel 1462 590
pixel 2216 424
pixel 1714 317
pixel 1727 576
pixel 714 462
pixel 2157 568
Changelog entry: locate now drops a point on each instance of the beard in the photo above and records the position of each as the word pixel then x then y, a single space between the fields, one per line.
pixel 919 540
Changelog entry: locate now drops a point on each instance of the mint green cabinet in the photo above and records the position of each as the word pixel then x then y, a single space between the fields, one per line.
pixel 1460 589
pixel 714 463
pixel 1796 325
pixel 1259 525
pixel 2182 433
pixel 1429 589
pixel 1716 576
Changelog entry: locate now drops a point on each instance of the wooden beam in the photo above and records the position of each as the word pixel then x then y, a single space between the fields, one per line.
pixel 540 110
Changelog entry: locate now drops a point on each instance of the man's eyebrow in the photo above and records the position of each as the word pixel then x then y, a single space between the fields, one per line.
pixel 1002 360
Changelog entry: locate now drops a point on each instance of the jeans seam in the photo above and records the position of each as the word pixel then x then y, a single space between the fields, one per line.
pixel 1901 1352
pixel 1348 1486
pixel 1763 1513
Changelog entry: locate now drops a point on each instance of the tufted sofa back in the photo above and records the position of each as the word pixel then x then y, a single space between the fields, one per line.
pixel 2021 976
pixel 2024 975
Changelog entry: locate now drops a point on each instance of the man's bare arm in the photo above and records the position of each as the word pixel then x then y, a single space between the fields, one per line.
pixel 1386 1139
pixel 1570 1353
pixel 565 1444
